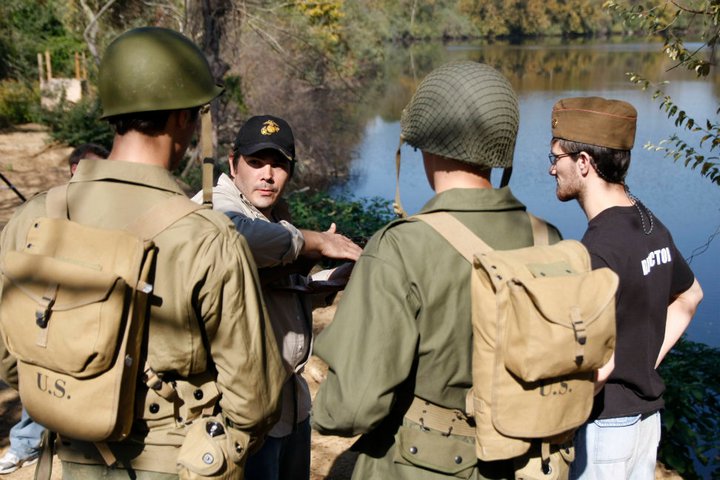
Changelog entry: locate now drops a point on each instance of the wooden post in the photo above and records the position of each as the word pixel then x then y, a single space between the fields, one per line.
pixel 77 66
pixel 48 65
pixel 41 74
pixel 83 65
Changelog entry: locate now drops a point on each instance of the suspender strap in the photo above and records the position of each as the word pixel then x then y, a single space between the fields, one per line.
pixel 465 241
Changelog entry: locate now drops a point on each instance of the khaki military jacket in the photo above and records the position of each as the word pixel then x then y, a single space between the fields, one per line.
pixel 403 328
pixel 207 318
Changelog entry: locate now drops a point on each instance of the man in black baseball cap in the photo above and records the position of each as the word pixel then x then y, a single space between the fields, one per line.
pixel 262 161
pixel 265 132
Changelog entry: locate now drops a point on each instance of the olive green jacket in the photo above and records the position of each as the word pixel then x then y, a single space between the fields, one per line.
pixel 207 317
pixel 403 327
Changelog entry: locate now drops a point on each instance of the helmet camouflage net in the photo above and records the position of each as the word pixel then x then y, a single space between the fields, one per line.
pixel 466 111
pixel 150 68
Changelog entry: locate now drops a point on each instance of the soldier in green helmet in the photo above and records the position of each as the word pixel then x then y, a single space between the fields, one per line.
pixel 209 347
pixel 401 340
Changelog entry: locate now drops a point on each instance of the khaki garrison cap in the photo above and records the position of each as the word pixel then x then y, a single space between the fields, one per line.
pixel 595 121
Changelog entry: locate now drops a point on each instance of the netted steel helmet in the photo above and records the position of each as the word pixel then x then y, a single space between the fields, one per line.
pixel 151 68
pixel 466 111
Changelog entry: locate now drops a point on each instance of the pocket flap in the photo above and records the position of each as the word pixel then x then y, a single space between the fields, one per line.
pixel 554 297
pixel 435 451
pixel 78 284
pixel 200 453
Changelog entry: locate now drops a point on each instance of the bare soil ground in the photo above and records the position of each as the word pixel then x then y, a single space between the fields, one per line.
pixel 32 164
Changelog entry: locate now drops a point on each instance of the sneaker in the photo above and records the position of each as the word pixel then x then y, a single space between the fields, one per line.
pixel 10 462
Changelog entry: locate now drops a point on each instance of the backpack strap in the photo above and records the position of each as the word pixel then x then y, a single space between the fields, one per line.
pixel 146 226
pixel 161 216
pixel 540 230
pixel 456 233
pixel 466 242
pixel 56 202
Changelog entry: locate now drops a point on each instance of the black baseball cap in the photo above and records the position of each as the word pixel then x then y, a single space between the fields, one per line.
pixel 265 132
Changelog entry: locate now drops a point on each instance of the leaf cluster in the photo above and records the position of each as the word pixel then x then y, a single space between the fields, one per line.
pixel 691 419
pixel 675 20
pixel 358 219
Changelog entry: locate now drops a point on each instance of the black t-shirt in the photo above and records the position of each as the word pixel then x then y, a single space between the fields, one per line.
pixel 652 272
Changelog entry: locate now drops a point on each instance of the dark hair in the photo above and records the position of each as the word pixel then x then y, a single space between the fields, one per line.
pixel 612 165
pixel 81 151
pixel 148 123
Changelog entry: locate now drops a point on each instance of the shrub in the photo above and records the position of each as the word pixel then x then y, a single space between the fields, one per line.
pixel 356 219
pixel 18 102
pixel 78 123
pixel 691 420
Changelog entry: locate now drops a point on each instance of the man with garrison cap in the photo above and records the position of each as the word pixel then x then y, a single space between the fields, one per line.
pixel 657 296
pixel 401 341
pixel 208 346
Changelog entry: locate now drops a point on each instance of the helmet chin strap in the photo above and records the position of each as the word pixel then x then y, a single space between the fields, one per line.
pixel 397 205
pixel 206 148
pixel 505 177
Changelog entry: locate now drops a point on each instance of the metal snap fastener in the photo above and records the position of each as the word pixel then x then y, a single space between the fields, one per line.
pixel 413 450
pixel 154 408
pixel 198 394
pixel 208 459
pixel 458 459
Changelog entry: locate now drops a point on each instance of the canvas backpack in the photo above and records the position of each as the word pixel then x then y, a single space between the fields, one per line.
pixel 73 311
pixel 543 322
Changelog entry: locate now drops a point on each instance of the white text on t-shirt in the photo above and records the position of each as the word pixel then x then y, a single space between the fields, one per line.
pixel 658 257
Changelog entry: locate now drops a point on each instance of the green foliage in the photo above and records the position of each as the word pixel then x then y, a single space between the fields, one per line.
pixel 356 219
pixel 18 103
pixel 673 20
pixel 79 123
pixel 29 27
pixel 691 420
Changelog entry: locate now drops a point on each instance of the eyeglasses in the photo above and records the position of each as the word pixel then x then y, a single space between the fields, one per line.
pixel 554 158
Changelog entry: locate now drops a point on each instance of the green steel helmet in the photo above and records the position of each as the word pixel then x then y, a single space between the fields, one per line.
pixel 466 111
pixel 150 68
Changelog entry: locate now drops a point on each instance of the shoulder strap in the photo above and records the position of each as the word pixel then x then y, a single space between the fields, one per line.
pixel 56 202
pixel 161 216
pixel 465 241
pixel 455 232
pixel 540 230
pixel 146 226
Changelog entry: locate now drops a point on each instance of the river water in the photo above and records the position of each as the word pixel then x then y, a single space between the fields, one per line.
pixel 687 203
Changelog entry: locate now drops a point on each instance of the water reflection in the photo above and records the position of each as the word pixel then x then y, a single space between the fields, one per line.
pixel 687 203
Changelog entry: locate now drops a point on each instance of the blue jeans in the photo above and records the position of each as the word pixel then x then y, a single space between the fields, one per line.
pixel 617 448
pixel 284 458
pixel 25 437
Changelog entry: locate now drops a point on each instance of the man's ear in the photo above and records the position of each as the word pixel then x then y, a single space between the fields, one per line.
pixel 584 163
pixel 231 162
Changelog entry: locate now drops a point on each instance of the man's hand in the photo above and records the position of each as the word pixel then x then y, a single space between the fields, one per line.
pixel 329 244
pixel 603 373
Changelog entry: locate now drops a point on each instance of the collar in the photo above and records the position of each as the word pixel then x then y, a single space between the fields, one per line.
pixel 226 187
pixel 151 176
pixel 473 200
